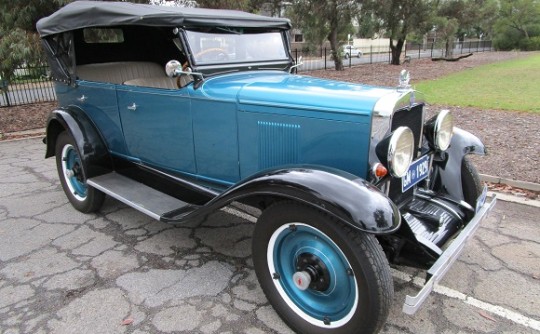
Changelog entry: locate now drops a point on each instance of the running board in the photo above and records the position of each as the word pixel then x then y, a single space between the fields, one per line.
pixel 141 197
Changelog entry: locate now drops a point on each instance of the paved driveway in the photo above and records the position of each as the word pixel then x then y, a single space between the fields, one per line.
pixel 118 271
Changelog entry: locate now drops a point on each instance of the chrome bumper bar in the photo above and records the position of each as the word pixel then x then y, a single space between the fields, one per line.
pixel 447 258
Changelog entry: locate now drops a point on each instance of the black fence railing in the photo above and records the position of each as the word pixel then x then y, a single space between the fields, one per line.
pixel 28 85
pixel 32 84
pixel 322 58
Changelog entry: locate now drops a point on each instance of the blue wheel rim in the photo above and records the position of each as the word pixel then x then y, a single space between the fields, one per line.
pixel 330 308
pixel 72 169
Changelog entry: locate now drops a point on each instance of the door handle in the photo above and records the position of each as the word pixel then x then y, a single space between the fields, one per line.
pixel 82 98
pixel 132 107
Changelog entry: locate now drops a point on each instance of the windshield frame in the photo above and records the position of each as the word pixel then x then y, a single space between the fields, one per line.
pixel 229 49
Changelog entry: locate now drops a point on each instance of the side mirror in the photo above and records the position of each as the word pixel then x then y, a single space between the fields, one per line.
pixel 173 68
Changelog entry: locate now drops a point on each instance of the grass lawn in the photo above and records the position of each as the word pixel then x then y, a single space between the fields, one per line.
pixel 508 85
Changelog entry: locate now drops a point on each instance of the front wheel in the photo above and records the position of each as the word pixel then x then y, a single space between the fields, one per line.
pixel 470 181
pixel 71 172
pixel 319 274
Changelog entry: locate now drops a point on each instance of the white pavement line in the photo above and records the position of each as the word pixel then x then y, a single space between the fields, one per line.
pixel 451 293
pixel 442 290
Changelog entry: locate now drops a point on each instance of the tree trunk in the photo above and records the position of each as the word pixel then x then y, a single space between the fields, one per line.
pixel 449 52
pixel 336 54
pixel 396 51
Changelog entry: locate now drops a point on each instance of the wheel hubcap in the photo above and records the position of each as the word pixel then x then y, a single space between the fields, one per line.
pixel 72 169
pixel 312 275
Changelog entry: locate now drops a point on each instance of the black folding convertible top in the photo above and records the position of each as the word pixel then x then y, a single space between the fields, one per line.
pixel 84 14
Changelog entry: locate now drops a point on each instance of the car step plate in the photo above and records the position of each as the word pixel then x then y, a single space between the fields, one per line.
pixel 137 195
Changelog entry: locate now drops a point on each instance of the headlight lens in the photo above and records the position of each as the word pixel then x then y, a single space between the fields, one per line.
pixel 400 151
pixel 443 130
pixel 396 151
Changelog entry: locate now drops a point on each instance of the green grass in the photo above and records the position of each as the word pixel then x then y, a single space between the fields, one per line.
pixel 508 85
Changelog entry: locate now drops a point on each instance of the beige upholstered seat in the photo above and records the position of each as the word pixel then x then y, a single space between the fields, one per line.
pixel 119 72
pixel 144 74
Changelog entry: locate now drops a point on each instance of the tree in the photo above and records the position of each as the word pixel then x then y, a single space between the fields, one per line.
pixel 399 18
pixel 19 42
pixel 458 18
pixel 225 4
pixel 325 19
pixel 518 25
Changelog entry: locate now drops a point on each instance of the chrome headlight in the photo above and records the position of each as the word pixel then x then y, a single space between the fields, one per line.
pixel 396 151
pixel 440 129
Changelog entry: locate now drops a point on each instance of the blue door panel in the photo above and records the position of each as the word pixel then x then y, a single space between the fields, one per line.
pixel 98 100
pixel 157 126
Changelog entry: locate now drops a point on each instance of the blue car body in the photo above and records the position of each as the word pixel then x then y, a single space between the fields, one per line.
pixel 262 123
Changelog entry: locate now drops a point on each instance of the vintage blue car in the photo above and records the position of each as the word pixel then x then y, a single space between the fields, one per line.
pixel 178 112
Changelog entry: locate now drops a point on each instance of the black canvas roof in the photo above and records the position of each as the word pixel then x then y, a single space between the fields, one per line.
pixel 84 14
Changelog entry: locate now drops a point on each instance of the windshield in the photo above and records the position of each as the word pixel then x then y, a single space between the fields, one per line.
pixel 235 47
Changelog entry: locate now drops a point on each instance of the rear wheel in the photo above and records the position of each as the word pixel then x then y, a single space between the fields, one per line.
pixel 319 274
pixel 72 176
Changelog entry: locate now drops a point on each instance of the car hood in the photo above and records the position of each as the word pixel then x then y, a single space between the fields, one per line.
pixel 279 89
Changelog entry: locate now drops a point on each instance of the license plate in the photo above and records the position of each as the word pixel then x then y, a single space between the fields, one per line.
pixel 418 170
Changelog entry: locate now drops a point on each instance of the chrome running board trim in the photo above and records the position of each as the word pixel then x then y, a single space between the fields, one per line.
pixel 137 195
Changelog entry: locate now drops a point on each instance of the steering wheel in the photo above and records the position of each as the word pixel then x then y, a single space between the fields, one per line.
pixel 218 54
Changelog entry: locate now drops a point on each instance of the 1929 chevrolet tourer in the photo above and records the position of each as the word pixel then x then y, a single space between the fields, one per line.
pixel 178 112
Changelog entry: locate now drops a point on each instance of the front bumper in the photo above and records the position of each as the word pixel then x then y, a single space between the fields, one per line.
pixel 447 258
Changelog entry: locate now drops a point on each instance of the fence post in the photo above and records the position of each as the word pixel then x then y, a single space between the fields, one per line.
pixel 296 60
pixel 371 54
pixel 4 86
pixel 419 47
pixel 325 58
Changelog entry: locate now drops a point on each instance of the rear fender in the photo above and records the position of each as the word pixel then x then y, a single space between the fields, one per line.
pixel 449 170
pixel 340 194
pixel 91 146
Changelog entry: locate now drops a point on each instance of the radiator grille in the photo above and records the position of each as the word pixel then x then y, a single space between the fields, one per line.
pixel 278 144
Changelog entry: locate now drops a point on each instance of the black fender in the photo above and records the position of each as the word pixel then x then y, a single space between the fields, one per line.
pixel 449 171
pixel 337 193
pixel 93 152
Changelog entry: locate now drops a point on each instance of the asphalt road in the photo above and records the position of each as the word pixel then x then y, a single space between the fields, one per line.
pixel 118 271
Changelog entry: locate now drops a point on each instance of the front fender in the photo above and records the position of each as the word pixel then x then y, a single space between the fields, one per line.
pixel 91 146
pixel 462 143
pixel 340 194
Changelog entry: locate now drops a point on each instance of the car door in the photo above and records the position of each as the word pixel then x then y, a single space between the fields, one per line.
pixel 157 126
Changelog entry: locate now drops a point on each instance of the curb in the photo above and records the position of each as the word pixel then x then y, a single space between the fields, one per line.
pixel 18 135
pixel 514 199
pixel 514 183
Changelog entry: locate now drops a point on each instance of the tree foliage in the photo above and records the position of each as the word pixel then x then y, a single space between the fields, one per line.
pixel 399 18
pixel 460 18
pixel 19 42
pixel 518 26
pixel 320 20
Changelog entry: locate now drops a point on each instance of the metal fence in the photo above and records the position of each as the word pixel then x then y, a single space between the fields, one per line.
pixel 28 85
pixel 32 84
pixel 322 58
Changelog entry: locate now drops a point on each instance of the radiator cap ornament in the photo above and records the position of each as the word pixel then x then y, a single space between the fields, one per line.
pixel 404 79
